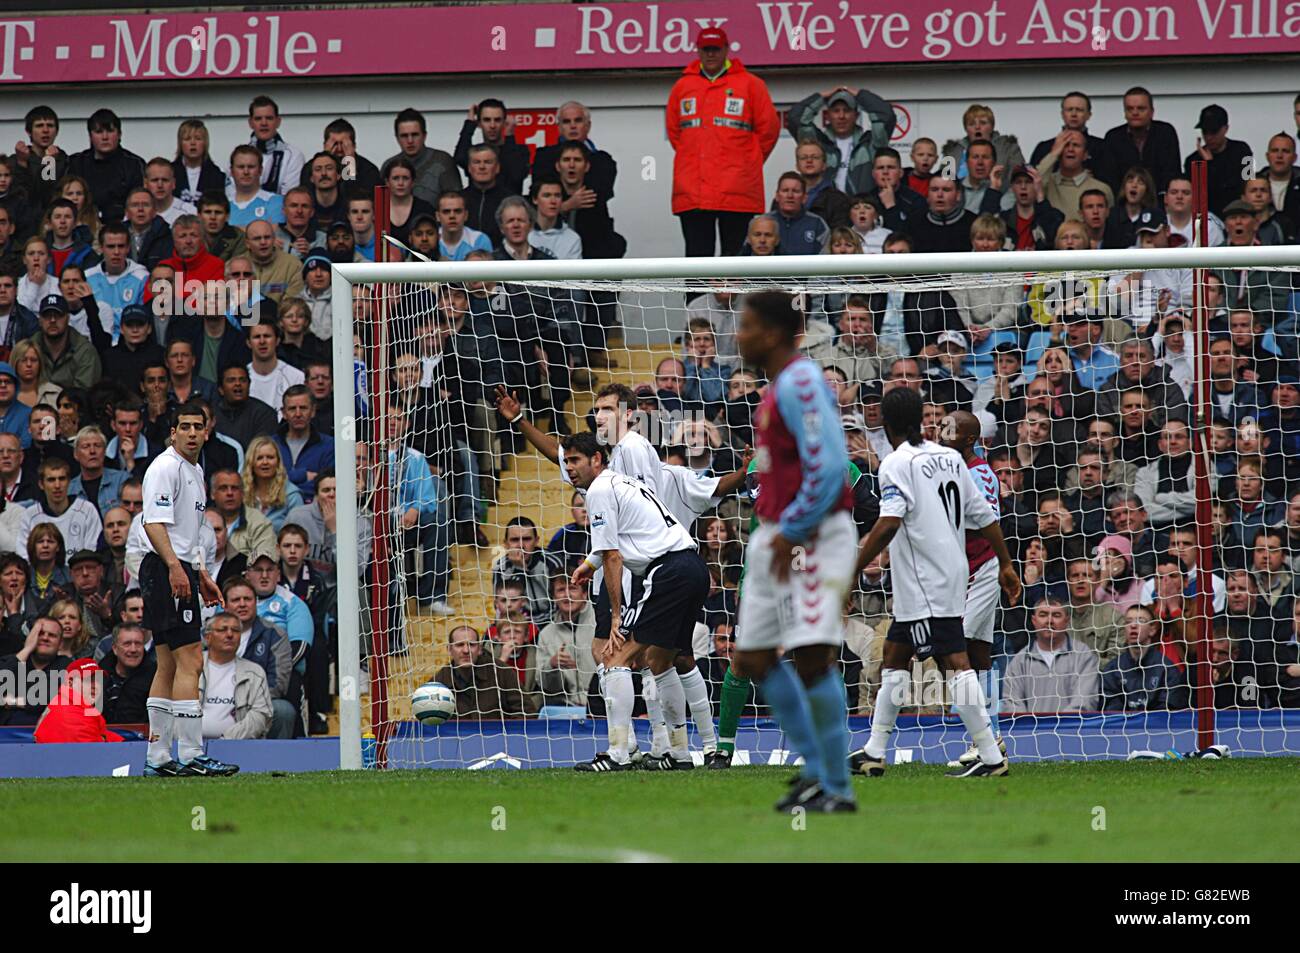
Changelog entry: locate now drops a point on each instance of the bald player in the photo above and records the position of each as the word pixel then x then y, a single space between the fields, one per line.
pixel 961 432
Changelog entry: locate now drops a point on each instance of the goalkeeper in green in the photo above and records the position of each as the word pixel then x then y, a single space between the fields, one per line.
pixel 736 689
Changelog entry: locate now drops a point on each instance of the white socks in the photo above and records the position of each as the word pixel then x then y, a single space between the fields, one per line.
pixel 992 696
pixel 187 719
pixel 618 710
pixel 160 731
pixel 968 699
pixel 673 700
pixel 697 699
pixel 655 712
pixel 893 687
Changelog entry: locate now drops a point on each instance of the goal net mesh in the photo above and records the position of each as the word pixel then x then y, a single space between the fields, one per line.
pixel 1086 387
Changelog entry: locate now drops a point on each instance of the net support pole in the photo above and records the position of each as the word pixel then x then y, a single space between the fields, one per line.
pixel 383 598
pixel 349 566
pixel 1204 698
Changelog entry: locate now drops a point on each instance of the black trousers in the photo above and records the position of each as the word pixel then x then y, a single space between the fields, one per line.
pixel 704 228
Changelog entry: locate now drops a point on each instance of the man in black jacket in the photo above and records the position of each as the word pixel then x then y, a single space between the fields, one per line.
pixel 489 117
pixel 1227 158
pixel 111 171
pixel 574 120
pixel 485 191
pixel 38 663
pixel 585 208
pixel 238 415
pixel 1143 140
pixel 946 224
pixel 128 673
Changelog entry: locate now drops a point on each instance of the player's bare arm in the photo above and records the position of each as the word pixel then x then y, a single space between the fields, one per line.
pixel 209 591
pixel 1007 577
pixel 614 573
pixel 162 544
pixel 880 536
pixel 508 406
pixel 731 482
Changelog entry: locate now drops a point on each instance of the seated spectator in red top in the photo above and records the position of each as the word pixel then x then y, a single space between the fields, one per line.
pixel 191 258
pixel 72 716
pixel 111 171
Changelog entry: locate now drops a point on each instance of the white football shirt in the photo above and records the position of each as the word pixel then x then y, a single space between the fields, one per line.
pixel 633 456
pixel 685 493
pixel 930 488
pixel 626 515
pixel 270 388
pixel 174 496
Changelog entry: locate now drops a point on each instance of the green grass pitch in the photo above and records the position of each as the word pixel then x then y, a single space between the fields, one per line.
pixel 1154 811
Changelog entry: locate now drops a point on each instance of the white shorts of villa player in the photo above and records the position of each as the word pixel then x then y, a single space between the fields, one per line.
pixel 806 609
pixel 983 594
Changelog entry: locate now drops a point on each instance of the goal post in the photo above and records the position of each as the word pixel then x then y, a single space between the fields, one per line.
pixel 387 307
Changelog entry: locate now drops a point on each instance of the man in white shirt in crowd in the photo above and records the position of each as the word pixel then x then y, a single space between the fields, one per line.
pixel 550 231
pixel 283 167
pixel 268 376
pixel 236 701
pixel 160 180
pixel 1182 221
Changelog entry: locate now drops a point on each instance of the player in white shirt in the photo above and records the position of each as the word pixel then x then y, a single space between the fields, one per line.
pixel 631 526
pixel 268 376
pixel 173 582
pixel 927 501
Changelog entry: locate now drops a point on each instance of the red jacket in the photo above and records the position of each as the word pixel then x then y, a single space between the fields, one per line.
pixel 722 131
pixel 204 266
pixel 69 719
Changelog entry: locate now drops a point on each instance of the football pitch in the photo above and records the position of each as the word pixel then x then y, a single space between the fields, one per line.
pixel 1230 810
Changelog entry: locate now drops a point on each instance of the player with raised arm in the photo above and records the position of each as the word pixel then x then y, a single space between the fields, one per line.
pixel 961 432
pixel 630 526
pixel 927 500
pixel 798 561
pixel 685 494
pixel 173 579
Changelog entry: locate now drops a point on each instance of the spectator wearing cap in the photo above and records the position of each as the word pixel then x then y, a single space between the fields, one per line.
pixel 14 414
pixel 93 591
pixel 1263 292
pixel 317 277
pixel 821 197
pixel 802 232
pixel 327 190
pixel 1076 110
pixel 73 715
pixel 70 360
pixel 1142 140
pixel 283 161
pixel 1226 157
pixel 1032 221
pixel 982 187
pixel 422 234
pixel 135 349
pixel 854 123
pixel 191 258
pixel 149 235
pixel 574 122
pixel 1093 362
pixel 497 130
pixel 435 170
pixel 109 170
pixel 297 234
pixel 99 484
pixel 236 698
pixel 979 123
pixel 340 244
pixel 722 127
pixel 946 381
pixel 128 674
pixel 1065 177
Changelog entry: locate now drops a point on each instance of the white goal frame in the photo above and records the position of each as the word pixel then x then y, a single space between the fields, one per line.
pixel 792 268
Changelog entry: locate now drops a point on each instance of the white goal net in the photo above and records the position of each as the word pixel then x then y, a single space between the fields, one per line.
pixel 1139 411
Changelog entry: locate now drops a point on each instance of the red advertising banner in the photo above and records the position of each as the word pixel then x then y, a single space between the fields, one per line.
pixel 545 37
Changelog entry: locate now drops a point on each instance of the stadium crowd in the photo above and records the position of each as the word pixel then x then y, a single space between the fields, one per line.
pixel 1082 386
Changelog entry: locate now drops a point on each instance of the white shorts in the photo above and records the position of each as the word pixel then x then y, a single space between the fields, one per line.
pixel 982 597
pixel 806 609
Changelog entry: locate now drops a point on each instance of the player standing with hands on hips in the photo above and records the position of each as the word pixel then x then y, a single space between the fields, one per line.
pixel 172 581
pixel 798 561
pixel 927 501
